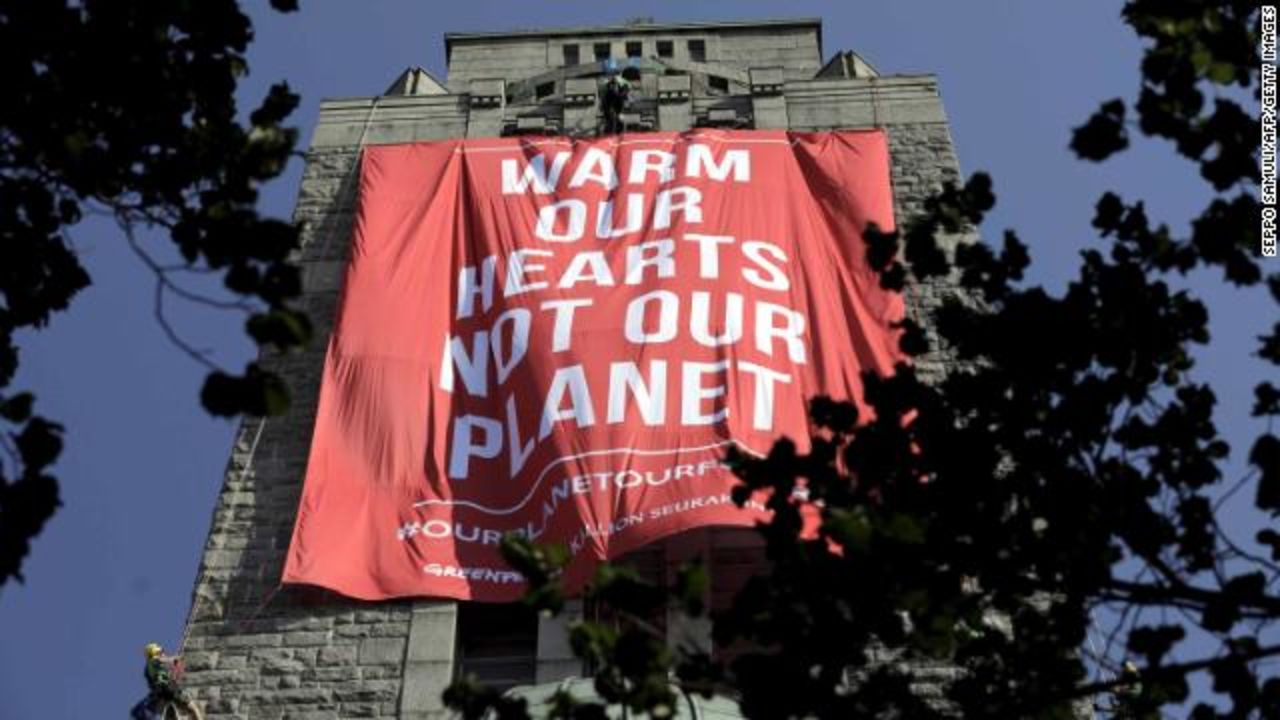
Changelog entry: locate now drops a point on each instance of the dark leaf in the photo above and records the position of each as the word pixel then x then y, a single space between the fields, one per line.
pixel 39 443
pixel 1104 134
pixel 1266 400
pixel 1266 457
pixel 17 408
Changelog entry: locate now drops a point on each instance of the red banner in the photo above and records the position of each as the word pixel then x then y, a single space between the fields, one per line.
pixel 562 338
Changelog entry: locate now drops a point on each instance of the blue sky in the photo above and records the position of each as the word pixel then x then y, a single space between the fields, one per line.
pixel 143 464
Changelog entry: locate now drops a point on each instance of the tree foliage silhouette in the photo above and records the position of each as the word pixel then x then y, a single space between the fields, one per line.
pixel 1067 467
pixel 127 110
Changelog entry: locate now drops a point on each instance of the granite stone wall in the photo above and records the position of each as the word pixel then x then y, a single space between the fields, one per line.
pixel 794 47
pixel 256 651
pixel 253 649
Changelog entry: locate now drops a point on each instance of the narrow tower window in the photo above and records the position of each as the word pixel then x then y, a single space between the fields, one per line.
pixel 634 50
pixel 497 643
pixel 698 50
pixel 666 48
pixel 602 51
pixel 571 55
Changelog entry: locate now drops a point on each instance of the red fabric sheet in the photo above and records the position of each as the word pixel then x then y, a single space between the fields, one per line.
pixel 562 338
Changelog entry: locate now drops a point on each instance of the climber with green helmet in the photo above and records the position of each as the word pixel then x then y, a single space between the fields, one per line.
pixel 162 683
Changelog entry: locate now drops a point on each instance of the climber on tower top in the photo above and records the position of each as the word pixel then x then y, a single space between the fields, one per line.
pixel 617 93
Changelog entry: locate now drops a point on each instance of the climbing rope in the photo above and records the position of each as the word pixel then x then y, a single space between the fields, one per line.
pixel 247 464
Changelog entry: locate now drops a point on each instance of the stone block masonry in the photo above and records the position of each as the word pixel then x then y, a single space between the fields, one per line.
pixel 255 650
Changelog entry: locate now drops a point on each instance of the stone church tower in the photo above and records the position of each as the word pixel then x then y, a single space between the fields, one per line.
pixel 255 650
